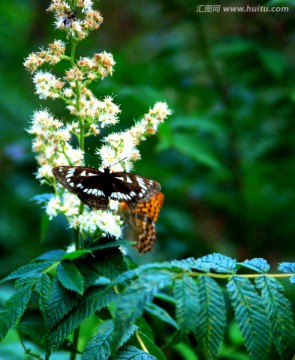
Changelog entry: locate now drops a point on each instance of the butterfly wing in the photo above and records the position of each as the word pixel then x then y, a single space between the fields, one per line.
pixel 85 182
pixel 141 226
pixel 95 188
pixel 133 189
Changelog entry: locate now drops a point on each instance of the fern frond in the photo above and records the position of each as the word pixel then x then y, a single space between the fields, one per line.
pixel 250 316
pixel 15 307
pixel 187 303
pixel 93 300
pixel 279 311
pixel 211 321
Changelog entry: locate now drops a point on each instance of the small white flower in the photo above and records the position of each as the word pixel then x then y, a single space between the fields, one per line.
pixel 53 206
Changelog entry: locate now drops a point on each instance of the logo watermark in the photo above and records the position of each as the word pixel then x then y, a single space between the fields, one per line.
pixel 241 9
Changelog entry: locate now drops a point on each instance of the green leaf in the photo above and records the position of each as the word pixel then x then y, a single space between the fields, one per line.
pixel 70 277
pixel 99 346
pixel 53 255
pixel 132 353
pixel 152 348
pixel 109 263
pixel 133 300
pixel 112 244
pixel 75 254
pixel 14 308
pixel 60 302
pixel 187 303
pixel 256 264
pixel 279 312
pixel 43 288
pixel 211 321
pixel 216 262
pixel 93 300
pixel 250 316
pixel 161 314
pixel 29 270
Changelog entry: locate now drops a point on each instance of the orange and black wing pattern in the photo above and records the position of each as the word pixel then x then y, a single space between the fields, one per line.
pixel 140 222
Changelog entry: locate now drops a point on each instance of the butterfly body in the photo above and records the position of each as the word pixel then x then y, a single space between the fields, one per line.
pixel 95 188
pixel 141 222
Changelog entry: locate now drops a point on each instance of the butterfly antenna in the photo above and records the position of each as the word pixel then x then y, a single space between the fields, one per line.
pixel 119 161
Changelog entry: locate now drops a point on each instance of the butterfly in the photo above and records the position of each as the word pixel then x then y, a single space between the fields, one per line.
pixel 95 188
pixel 140 222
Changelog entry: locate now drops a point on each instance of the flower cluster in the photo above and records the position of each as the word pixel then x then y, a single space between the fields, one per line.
pixel 52 55
pixel 57 142
pixel 52 144
pixel 121 146
pixel 79 28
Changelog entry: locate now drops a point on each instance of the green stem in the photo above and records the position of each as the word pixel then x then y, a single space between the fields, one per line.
pixel 75 343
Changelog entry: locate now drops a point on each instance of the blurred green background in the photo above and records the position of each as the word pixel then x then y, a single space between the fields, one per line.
pixel 225 158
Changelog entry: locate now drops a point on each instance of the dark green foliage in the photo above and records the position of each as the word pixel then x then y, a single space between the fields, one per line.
pixel 70 277
pixel 93 300
pixel 132 353
pixel 250 316
pixel 279 312
pixel 187 303
pixel 159 291
pixel 211 321
pixel 14 308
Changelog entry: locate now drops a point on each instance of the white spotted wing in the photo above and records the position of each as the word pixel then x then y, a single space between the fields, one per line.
pixel 95 188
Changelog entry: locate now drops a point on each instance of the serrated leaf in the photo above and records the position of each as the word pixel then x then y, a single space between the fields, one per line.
pixel 250 316
pixel 53 255
pixel 70 277
pixel 287 267
pixel 43 288
pixel 211 321
pixel 29 270
pixel 132 301
pixel 93 300
pixel 110 263
pixel 256 264
pixel 132 353
pixel 14 308
pixel 99 346
pixel 187 303
pixel 216 262
pixel 161 314
pixel 279 312
pixel 75 254
pixel 60 302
